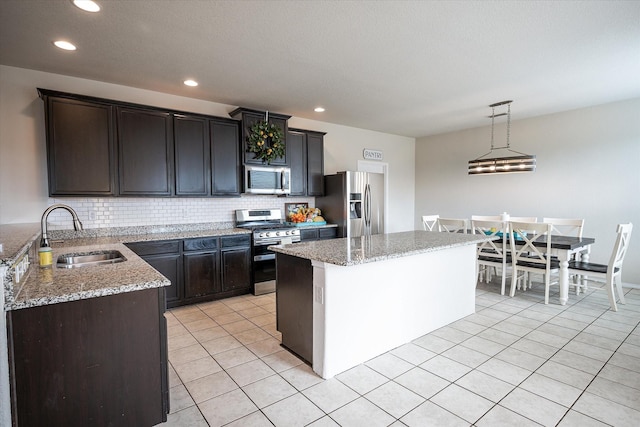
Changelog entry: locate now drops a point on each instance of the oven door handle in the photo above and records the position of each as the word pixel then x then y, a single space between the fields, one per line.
pixel 266 257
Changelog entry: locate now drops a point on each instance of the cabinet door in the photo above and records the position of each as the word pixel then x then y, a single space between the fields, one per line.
pixel 249 118
pixel 170 266
pixel 315 164
pixel 201 273
pixel 80 147
pixel 98 362
pixel 236 268
pixel 297 154
pixel 146 152
pixel 191 139
pixel 225 158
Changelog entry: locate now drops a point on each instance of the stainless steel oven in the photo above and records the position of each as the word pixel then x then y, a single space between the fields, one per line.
pixel 268 229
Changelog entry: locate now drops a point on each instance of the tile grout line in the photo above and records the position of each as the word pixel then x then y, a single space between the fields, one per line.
pixel 547 359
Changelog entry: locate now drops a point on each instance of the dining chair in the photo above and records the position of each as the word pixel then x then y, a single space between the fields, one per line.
pixel 570 227
pixel 523 218
pixel 565 226
pixel 492 254
pixel 531 254
pixel 429 222
pixel 452 225
pixel 486 217
pixel 611 273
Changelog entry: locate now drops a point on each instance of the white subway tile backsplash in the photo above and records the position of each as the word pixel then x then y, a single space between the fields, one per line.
pixel 125 212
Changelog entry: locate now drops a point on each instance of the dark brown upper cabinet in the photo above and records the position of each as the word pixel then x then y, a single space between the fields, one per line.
pixel 145 143
pixel 191 140
pixel 315 163
pixel 306 152
pixel 80 146
pixel 207 156
pixel 248 118
pixel 226 167
pixel 297 153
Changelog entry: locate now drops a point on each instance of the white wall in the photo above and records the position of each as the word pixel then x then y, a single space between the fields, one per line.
pixel 588 166
pixel 23 179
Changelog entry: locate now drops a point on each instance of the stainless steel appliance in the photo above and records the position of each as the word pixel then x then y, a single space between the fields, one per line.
pixel 267 180
pixel 268 229
pixel 354 201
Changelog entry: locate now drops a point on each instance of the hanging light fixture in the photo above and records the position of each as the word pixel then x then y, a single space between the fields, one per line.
pixel 521 162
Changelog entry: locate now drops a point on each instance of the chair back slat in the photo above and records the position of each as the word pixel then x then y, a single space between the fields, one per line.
pixel 429 222
pixel 524 218
pixel 565 226
pixel 621 246
pixel 528 234
pixel 492 248
pixel 452 225
pixel 486 217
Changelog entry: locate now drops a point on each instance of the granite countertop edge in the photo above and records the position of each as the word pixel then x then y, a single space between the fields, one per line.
pixel 75 284
pixel 335 251
pixel 77 296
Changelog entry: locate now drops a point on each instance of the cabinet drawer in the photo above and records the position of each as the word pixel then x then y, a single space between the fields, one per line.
pixel 308 234
pixel 328 233
pixel 153 248
pixel 234 241
pixel 200 244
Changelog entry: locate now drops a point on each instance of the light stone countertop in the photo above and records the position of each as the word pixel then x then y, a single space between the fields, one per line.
pixel 54 285
pixel 15 240
pixel 379 247
pixel 43 286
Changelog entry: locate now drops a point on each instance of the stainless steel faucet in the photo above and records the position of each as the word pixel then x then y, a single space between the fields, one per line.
pixel 77 225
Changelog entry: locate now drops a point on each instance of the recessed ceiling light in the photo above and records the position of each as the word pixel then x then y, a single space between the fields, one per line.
pixel 88 5
pixel 191 83
pixel 319 109
pixel 64 45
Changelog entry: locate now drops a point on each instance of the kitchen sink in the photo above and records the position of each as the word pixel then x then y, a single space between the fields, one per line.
pixel 89 258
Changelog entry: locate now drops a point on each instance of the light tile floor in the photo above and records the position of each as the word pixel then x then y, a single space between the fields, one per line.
pixel 516 361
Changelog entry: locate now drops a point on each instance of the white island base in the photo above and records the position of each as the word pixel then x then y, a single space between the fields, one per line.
pixel 362 311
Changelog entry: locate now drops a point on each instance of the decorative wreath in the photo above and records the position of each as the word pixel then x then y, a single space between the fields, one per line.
pixel 266 140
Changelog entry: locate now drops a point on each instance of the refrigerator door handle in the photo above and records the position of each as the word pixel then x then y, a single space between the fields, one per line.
pixel 367 206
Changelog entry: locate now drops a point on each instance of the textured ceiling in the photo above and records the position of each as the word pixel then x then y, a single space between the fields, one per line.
pixel 411 68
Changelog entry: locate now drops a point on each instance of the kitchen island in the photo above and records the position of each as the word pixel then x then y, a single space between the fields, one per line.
pixel 342 302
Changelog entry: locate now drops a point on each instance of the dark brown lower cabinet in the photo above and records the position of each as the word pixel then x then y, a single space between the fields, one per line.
pixel 200 269
pixel 294 304
pixel 201 273
pixel 235 258
pixel 320 233
pixel 94 362
pixel 166 257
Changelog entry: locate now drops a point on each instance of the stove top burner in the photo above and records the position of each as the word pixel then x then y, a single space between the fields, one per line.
pixel 263 226
pixel 267 226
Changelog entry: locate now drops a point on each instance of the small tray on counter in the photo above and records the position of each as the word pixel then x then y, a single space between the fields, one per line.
pixel 306 224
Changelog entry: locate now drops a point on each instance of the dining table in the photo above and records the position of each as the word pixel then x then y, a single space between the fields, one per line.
pixel 563 247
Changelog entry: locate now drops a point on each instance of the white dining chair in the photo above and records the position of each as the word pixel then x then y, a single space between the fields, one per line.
pixel 492 254
pixel 570 227
pixel 486 217
pixel 452 225
pixel 530 258
pixel 611 273
pixel 523 218
pixel 429 222
pixel 565 226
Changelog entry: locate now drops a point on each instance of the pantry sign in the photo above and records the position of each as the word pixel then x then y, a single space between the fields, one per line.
pixel 370 154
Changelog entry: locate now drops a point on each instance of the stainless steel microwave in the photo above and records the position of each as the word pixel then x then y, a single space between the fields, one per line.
pixel 267 180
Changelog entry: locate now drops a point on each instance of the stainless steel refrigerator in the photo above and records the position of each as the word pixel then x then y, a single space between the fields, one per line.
pixel 354 201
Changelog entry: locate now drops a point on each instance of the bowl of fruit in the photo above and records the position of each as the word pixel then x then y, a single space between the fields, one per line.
pixel 305 216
